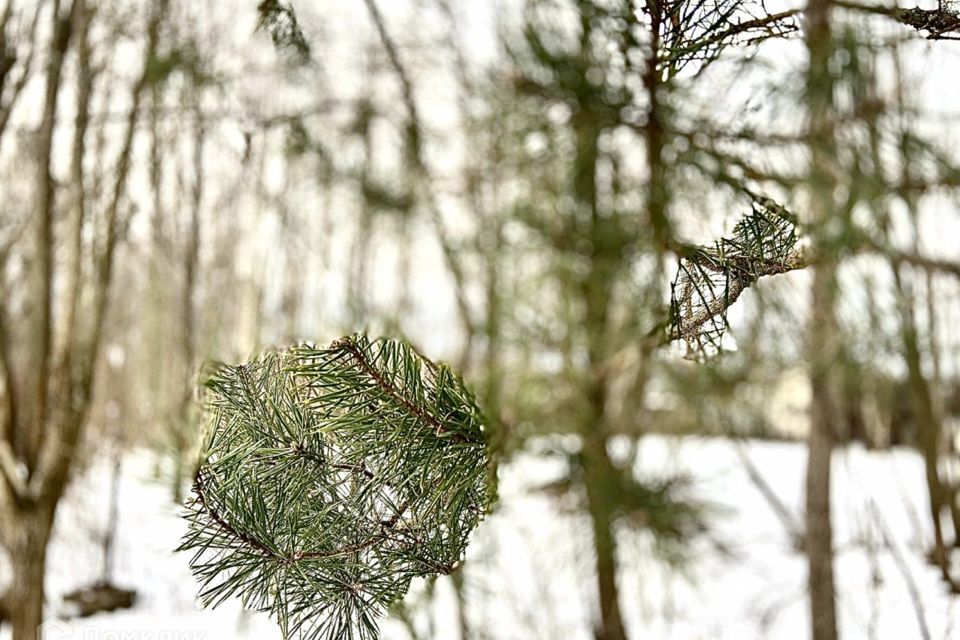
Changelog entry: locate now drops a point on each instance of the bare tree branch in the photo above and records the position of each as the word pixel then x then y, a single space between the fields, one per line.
pixel 793 528
pixel 11 474
pixel 85 73
pixel 423 181
pixel 8 465
pixel 775 25
pixel 29 438
pixel 9 60
pixel 915 598
pixel 58 444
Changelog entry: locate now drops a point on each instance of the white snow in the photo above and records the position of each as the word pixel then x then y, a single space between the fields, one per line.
pixel 528 573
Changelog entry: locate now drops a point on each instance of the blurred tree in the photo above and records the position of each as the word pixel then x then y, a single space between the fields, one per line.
pixel 593 82
pixel 845 112
pixel 49 359
pixel 824 336
pixel 571 239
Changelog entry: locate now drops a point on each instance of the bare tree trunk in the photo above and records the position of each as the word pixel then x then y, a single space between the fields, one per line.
pixel 935 389
pixel 27 544
pixel 28 440
pixel 923 391
pixel 188 319
pixel 601 479
pixel 823 334
pixel 27 521
pixel 85 80
pixel 654 132
pixel 357 290
pixel 423 189
pixel 113 514
pixel 463 624
pixel 819 540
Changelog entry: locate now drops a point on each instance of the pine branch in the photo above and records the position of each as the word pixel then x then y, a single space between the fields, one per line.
pixel 348 345
pixel 280 21
pixel 942 23
pixel 710 279
pixel 330 479
pixel 765 242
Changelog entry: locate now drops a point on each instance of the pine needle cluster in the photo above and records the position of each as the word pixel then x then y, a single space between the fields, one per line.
pixel 331 478
pixel 710 279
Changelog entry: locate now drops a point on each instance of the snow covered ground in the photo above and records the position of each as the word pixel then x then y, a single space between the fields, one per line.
pixel 528 574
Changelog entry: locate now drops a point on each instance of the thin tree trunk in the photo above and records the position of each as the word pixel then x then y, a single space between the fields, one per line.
pixel 935 389
pixel 28 439
pixel 85 79
pixel 823 334
pixel 600 477
pixel 654 133
pixel 819 540
pixel 358 301
pixel 927 414
pixel 28 559
pixel 28 521
pixel 422 179
pixel 463 624
pixel 928 427
pixel 188 319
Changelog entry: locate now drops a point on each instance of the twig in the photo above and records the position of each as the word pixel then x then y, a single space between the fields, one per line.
pixel 915 597
pixel 788 520
pixel 748 25
pixel 350 347
pixel 415 133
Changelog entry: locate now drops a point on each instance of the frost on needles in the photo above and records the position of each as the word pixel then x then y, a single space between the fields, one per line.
pixel 329 479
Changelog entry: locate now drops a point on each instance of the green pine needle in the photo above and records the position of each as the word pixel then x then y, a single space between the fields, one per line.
pixel 330 478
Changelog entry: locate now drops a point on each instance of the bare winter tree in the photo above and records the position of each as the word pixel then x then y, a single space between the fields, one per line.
pixel 50 336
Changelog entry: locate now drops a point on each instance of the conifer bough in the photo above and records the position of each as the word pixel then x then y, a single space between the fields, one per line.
pixel 330 478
